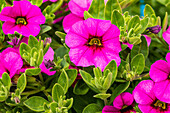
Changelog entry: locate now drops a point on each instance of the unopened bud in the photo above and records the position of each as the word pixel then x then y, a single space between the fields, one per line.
pixel 154 29
pixel 14 41
pixel 48 63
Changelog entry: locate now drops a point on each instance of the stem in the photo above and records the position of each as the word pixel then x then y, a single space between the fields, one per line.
pixel 31 87
pixel 31 92
pixel 164 44
pixel 105 101
pixel 41 78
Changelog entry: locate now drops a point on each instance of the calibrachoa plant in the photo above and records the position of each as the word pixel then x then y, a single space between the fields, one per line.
pixel 84 56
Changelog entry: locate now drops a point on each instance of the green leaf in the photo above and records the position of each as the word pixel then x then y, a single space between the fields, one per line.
pixel 57 92
pixel 110 6
pixel 107 81
pixel 112 66
pixel 32 71
pixel 60 35
pixel 117 19
pixel 37 2
pixel 140 48
pixel 40 57
pixel 133 22
pixel 87 15
pixel 91 108
pixel 97 72
pixel 46 48
pixel 44 29
pixel 25 51
pixel 36 103
pixel 165 22
pixel 97 9
pixel 144 24
pixel 80 88
pixel 68 103
pixel 71 74
pixel 22 82
pixel 56 6
pixel 138 63
pixel 87 79
pixel 33 42
pixel 118 90
pixel 64 81
pixel 102 96
pixel 148 11
pixel 6 80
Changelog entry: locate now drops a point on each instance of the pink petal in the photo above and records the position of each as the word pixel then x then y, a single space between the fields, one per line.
pixel 162 91
pixel 113 44
pixel 81 56
pixel 78 7
pixel 129 45
pixel 45 70
pixel 70 20
pixel 159 71
pixel 143 92
pixel 10 27
pixel 16 9
pixel 166 35
pixel 127 98
pixel 118 102
pixel 2 69
pixel 12 61
pixel 34 11
pixel 110 109
pixel 111 55
pixel 146 108
pixel 80 29
pixel 6 15
pixel 37 20
pixel 112 32
pixel 102 27
pixel 23 6
pixel 34 29
pixel 50 54
pixel 91 26
pixel 168 58
pixel 148 39
pixel 73 40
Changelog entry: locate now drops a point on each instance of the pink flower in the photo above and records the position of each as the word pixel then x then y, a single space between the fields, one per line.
pixel 166 36
pixel 148 39
pixel 146 99
pixel 121 104
pixel 159 73
pixel 23 18
pixel 10 62
pixel 77 8
pixel 48 56
pixel 93 42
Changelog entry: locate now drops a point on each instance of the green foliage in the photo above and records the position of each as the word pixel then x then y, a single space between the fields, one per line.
pixel 32 71
pixel 91 108
pixel 80 88
pixel 37 2
pixel 36 103
pixel 118 90
pixel 87 15
pixel 110 6
pixel 117 19
pixel 140 48
pixel 97 9
pixel 138 63
pixel 22 82
pixel 57 92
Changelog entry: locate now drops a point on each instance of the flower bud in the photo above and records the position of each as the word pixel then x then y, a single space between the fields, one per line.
pixel 48 63
pixel 154 29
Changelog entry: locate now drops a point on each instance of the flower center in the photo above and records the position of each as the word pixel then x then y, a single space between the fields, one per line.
pixel 160 104
pixel 95 41
pixel 21 20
